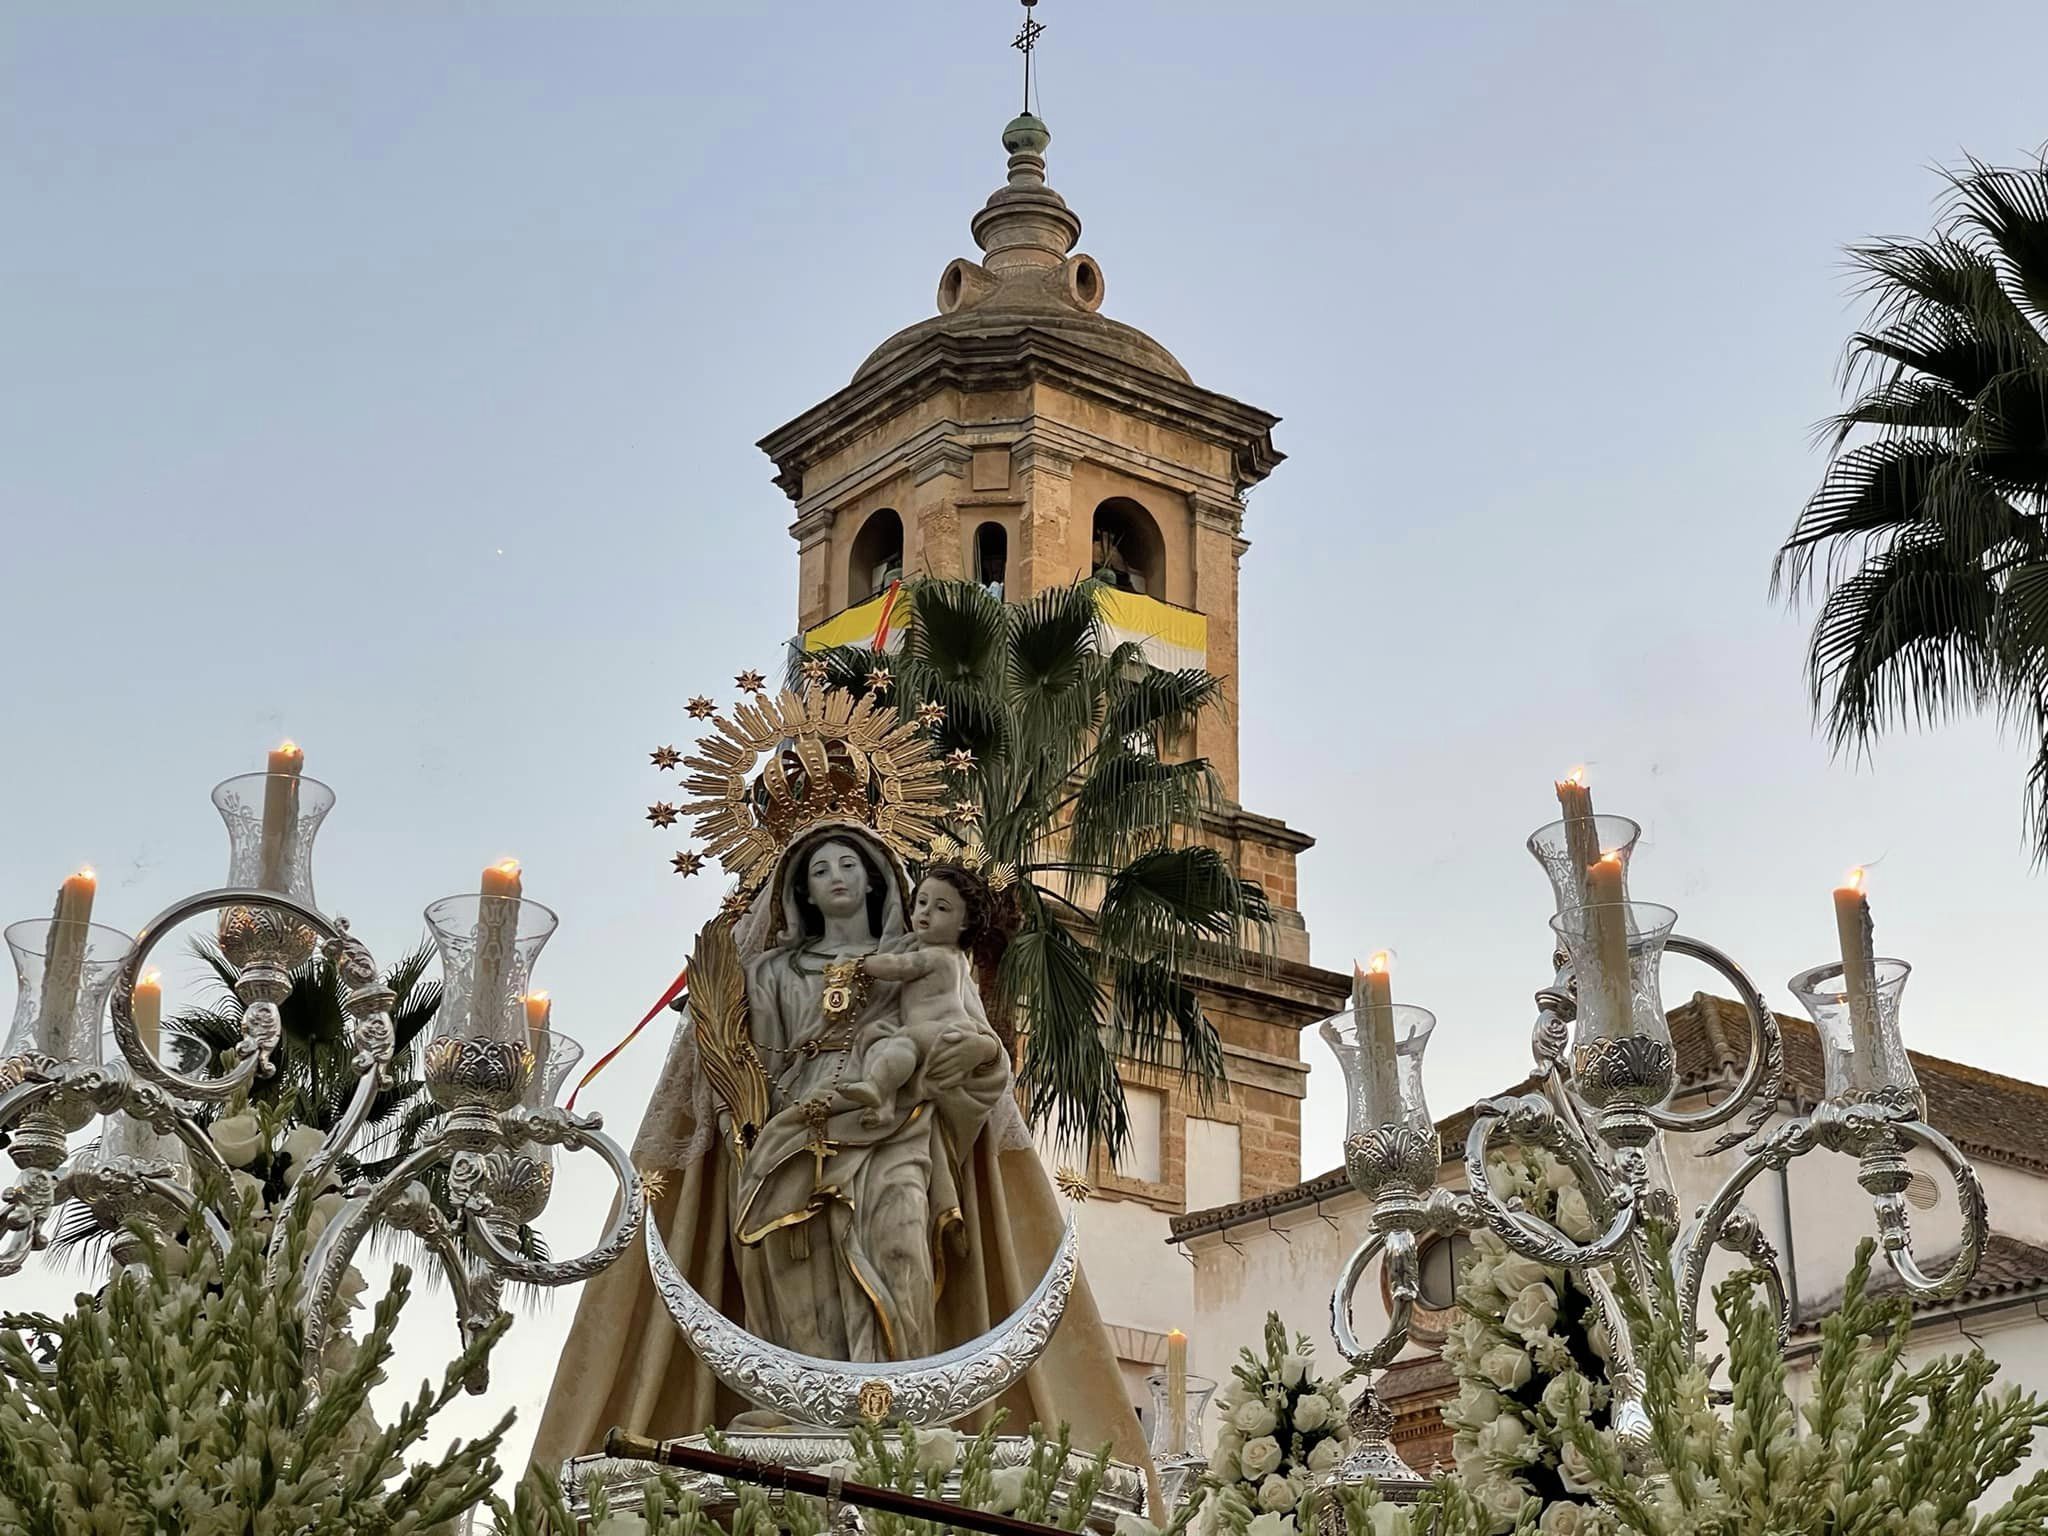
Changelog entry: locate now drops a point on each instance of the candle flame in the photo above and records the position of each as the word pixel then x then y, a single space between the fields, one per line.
pixel 1381 963
pixel 1853 881
pixel 1576 776
pixel 536 997
pixel 151 978
pixel 508 866
pixel 86 873
pixel 291 747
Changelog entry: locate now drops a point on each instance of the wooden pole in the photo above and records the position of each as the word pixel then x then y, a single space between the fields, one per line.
pixel 673 1453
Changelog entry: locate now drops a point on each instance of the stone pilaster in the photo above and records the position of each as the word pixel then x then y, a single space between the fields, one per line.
pixel 1045 556
pixel 1217 549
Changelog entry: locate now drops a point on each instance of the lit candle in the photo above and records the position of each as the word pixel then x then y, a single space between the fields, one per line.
pixel 1581 836
pixel 497 925
pixel 538 1008
pixel 64 965
pixel 1372 1004
pixel 1859 975
pixel 1176 1391
pixel 1605 903
pixel 280 817
pixel 149 1010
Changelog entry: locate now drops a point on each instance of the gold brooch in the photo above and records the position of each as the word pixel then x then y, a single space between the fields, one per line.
pixel 846 991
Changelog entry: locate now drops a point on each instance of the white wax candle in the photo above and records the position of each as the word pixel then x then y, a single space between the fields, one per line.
pixel 1859 976
pixel 280 817
pixel 1176 1391
pixel 148 1000
pixel 1606 898
pixel 1581 836
pixel 1372 1004
pixel 497 925
pixel 64 965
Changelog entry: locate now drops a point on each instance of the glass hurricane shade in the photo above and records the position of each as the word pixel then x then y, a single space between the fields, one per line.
pixel 488 946
pixel 131 1137
pixel 244 803
pixel 58 1007
pixel 555 1057
pixel 1184 1439
pixel 1616 950
pixel 1863 1057
pixel 1378 1094
pixel 1551 846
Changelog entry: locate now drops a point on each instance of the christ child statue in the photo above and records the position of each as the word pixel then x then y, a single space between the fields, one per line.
pixel 941 1005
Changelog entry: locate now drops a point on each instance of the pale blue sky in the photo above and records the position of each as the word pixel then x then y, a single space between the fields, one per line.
pixel 388 377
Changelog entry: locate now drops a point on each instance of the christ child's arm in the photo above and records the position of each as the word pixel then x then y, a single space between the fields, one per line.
pixel 902 964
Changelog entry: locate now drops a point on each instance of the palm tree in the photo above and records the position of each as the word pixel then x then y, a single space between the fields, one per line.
pixel 1929 533
pixel 1057 743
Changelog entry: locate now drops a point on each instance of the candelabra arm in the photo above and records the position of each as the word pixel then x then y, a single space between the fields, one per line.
pixel 1403 1281
pixel 309 1184
pixel 559 1128
pixel 255 1050
pixel 336 1249
pixel 476 1295
pixel 1627 1415
pixel 1895 1230
pixel 1762 1083
pixel 1530 1119
pixel 1711 1224
pixel 171 1192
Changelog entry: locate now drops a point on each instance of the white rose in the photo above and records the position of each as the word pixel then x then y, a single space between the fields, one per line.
pixel 1006 1489
pixel 1254 1416
pixel 1559 1174
pixel 1533 1311
pixel 1516 1273
pixel 1504 1499
pixel 1233 1393
pixel 1562 1519
pixel 1326 1455
pixel 1312 1411
pixel 1292 1369
pixel 1223 1466
pixel 299 1147
pixel 1506 1439
pixel 1476 1406
pixel 250 1189
pixel 1277 1494
pixel 1135 1525
pixel 1478 1273
pixel 1228 1441
pixel 323 1210
pixel 1385 1519
pixel 1574 1470
pixel 1555 1392
pixel 1270 1525
pixel 937 1450
pixel 1575 1217
pixel 1259 1457
pixel 238 1138
pixel 1506 1366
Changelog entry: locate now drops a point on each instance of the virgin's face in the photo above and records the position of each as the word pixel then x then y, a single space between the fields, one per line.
pixel 836 880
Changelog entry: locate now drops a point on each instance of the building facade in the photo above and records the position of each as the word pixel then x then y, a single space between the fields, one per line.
pixel 1021 438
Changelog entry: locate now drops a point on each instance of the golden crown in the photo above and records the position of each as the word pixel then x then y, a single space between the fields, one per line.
pixel 776 766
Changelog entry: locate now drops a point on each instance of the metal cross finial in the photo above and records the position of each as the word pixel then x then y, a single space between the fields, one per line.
pixel 1024 42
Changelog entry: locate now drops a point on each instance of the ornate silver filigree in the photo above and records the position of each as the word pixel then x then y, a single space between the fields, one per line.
pixel 828 1393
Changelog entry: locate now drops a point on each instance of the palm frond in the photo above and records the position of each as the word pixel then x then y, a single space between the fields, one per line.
pixel 1070 1076
pixel 1156 1013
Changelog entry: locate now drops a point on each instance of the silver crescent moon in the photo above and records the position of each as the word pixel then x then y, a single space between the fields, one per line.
pixel 927 1392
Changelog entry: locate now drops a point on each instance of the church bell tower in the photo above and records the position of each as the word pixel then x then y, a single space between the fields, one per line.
pixel 1021 438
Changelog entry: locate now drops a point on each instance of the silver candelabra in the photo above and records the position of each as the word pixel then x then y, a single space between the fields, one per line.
pixel 490 1062
pixel 1606 1070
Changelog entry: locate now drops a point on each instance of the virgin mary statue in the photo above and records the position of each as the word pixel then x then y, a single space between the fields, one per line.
pixel 835 1226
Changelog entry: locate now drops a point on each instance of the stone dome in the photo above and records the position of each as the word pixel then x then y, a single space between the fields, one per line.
pixel 1029 275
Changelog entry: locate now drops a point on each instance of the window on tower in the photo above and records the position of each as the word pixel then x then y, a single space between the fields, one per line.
pixel 991 556
pixel 1128 551
pixel 877 556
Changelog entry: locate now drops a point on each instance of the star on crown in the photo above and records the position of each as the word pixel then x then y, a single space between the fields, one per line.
pixel 931 713
pixel 662 814
pixel 701 708
pixel 960 760
pixel 880 682
pixel 751 681
pixel 815 671
pixel 687 863
pixel 665 758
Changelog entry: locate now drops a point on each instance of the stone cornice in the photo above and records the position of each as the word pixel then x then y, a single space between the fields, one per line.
pixel 1011 359
pixel 942 457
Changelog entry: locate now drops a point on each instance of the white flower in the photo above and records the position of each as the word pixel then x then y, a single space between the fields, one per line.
pixel 1516 1273
pixel 238 1138
pixel 1562 1519
pixel 1006 1489
pixel 1277 1494
pixel 1574 1470
pixel 1270 1525
pixel 1506 1439
pixel 1549 1351
pixel 349 1292
pixel 1233 1393
pixel 1535 1309
pixel 1559 1174
pixel 620 1525
pixel 1556 1390
pixel 1385 1519
pixel 1292 1369
pixel 937 1450
pixel 250 1188
pixel 1254 1416
pixel 1135 1525
pixel 299 1146
pixel 1575 1217
pixel 1476 1406
pixel 323 1210
pixel 1228 1441
pixel 1223 1466
pixel 1325 1456
pixel 1312 1411
pixel 1504 1498
pixel 1596 1340
pixel 1259 1457
pixel 1506 1366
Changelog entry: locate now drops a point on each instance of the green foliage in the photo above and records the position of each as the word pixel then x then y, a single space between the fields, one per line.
pixel 1929 532
pixel 186 1404
pixel 1074 789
